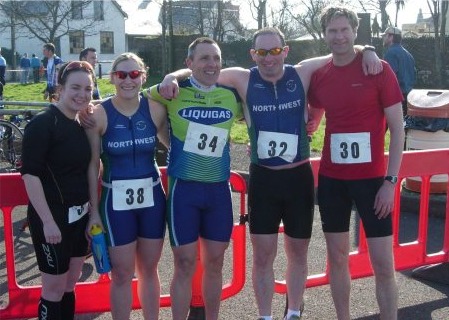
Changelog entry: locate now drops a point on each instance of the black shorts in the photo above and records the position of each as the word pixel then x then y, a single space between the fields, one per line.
pixel 336 197
pixel 55 258
pixel 285 195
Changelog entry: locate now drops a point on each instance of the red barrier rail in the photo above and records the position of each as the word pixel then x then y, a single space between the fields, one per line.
pixel 424 164
pixel 94 296
pixel 413 254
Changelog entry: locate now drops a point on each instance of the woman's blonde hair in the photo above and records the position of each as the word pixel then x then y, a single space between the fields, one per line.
pixel 129 56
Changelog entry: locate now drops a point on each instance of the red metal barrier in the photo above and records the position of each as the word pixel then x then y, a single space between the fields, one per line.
pixel 413 254
pixel 424 164
pixel 94 296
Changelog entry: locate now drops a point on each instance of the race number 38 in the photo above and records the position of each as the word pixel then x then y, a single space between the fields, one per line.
pixel 205 140
pixel 350 148
pixel 132 194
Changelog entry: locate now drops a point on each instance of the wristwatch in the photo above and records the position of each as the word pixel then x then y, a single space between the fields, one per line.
pixel 369 48
pixel 392 179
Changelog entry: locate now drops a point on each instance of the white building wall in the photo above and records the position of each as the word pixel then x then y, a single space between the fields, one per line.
pixel 114 21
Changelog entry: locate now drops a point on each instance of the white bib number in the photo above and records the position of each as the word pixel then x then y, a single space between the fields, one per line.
pixel 205 140
pixel 132 194
pixel 77 212
pixel 275 144
pixel 350 148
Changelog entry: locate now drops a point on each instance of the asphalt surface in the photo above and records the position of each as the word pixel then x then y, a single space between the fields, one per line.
pixel 418 299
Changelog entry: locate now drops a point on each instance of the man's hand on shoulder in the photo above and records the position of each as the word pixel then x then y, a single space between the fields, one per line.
pixel 86 117
pixel 371 63
pixel 169 87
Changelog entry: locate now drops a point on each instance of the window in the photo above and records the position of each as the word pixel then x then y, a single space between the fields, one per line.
pixel 98 10
pixel 106 42
pixel 77 10
pixel 76 40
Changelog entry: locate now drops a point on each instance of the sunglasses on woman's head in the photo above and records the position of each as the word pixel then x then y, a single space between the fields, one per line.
pixel 76 65
pixel 132 74
pixel 265 52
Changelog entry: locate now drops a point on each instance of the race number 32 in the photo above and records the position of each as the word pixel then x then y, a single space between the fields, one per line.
pixel 276 144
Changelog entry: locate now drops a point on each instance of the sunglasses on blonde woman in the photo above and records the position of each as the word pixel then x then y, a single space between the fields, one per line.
pixel 132 74
pixel 272 51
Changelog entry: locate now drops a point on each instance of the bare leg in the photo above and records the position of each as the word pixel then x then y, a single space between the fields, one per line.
pixel 264 253
pixel 381 255
pixel 296 274
pixel 340 280
pixel 212 255
pixel 181 286
pixel 122 260
pixel 148 286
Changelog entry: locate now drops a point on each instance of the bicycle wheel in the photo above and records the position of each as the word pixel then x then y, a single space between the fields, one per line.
pixel 10 147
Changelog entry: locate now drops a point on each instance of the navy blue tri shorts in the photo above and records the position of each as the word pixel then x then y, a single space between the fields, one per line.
pixel 199 209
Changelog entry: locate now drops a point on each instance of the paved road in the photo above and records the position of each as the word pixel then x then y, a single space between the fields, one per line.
pixel 418 299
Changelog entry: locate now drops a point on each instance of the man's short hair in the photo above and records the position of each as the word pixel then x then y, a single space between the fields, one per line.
pixel 50 47
pixel 85 51
pixel 197 41
pixel 332 13
pixel 268 30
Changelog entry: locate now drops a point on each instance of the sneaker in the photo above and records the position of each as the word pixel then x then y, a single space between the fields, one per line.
pixel 294 317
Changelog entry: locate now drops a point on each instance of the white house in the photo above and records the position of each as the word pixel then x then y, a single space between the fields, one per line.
pixel 107 34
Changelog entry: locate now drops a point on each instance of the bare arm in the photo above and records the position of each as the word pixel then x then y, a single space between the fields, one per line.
pixel 35 192
pixel 94 137
pixel 314 119
pixel 371 62
pixel 385 196
pixel 169 88
pixel 159 115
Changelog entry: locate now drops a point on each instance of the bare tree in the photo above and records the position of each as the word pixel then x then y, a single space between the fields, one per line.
pixel 259 12
pixel 284 21
pixel 379 6
pixel 399 5
pixel 438 10
pixel 309 14
pixel 46 20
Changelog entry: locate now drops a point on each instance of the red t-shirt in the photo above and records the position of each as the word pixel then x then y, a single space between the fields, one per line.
pixel 355 122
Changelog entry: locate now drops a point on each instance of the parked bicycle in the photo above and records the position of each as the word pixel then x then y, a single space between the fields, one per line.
pixel 11 137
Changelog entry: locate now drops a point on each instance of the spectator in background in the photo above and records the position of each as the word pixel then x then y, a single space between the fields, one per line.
pixel 53 64
pixel 401 61
pixel 2 76
pixel 90 55
pixel 35 65
pixel 25 65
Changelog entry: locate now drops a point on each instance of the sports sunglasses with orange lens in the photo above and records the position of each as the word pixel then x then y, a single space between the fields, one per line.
pixel 272 51
pixel 132 74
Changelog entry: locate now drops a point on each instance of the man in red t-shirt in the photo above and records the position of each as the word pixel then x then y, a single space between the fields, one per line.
pixel 352 166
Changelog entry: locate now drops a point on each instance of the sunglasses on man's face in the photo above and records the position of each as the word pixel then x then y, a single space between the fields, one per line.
pixel 132 74
pixel 272 51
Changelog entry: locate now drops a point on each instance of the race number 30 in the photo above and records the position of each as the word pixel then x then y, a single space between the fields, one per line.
pixel 350 148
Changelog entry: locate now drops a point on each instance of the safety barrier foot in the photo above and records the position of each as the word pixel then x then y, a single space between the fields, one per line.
pixel 435 272
pixel 286 305
pixel 197 313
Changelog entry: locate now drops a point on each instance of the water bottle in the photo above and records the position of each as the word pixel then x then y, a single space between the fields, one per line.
pixel 100 250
